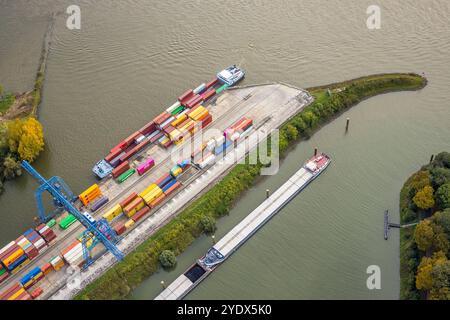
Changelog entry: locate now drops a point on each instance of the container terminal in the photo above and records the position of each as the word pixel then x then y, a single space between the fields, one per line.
pixel 142 185
pixel 223 249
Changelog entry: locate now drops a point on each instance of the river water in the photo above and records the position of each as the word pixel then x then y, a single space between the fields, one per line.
pixel 131 59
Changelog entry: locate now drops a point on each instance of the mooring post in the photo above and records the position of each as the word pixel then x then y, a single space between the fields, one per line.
pixel 347 125
pixel 267 193
pixel 315 152
pixel 213 237
pixel 163 284
pixel 432 158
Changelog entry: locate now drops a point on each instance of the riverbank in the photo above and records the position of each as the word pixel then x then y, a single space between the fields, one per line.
pixel 180 232
pixel 21 134
pixel 425 197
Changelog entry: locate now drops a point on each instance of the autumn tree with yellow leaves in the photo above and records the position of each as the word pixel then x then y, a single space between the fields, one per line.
pixel 26 138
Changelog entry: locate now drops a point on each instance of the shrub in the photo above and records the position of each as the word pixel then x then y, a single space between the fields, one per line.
pixel 167 259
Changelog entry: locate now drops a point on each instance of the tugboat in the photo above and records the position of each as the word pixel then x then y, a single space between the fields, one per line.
pixel 231 75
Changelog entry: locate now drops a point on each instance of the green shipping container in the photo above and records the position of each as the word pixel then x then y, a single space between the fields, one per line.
pixel 124 176
pixel 51 223
pixel 67 222
pixel 177 110
pixel 2 271
pixel 225 86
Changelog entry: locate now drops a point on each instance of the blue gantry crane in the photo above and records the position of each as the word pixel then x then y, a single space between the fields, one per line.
pixel 63 199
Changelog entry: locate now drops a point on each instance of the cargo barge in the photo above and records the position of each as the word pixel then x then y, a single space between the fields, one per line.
pixel 223 249
pixel 239 113
pixel 172 126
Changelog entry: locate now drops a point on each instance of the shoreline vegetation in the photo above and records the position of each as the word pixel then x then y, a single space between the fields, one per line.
pixel 21 134
pixel 200 215
pixel 424 250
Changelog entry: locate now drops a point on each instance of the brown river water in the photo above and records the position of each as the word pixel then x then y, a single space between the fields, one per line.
pixel 132 58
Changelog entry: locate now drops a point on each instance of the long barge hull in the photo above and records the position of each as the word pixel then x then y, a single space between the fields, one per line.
pixel 223 249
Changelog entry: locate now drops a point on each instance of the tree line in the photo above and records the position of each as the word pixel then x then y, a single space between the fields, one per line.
pixel 425 197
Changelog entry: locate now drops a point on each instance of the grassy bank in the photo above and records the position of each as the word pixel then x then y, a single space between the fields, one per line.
pixel 425 198
pixel 177 235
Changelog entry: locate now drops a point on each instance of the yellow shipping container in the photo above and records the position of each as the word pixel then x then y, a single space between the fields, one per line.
pixel 197 111
pixel 154 193
pixel 113 212
pixel 13 257
pixel 175 133
pixel 184 128
pixel 147 190
pixel 201 115
pixel 90 194
pixel 179 120
pixel 17 269
pixel 18 293
pixel 133 211
pixel 129 224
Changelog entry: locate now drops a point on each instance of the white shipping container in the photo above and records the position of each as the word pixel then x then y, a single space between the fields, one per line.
pixel 200 88
pixel 139 139
pixel 207 161
pixel 5 248
pixel 173 107
pixel 220 140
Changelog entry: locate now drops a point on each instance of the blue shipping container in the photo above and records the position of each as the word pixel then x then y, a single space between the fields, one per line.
pixel 17 263
pixel 30 275
pixel 165 181
pixel 168 185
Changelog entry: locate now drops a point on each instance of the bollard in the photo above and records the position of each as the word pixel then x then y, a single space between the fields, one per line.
pixel 163 284
pixel 432 158
pixel 267 193
pixel 213 237
pixel 315 152
pixel 347 125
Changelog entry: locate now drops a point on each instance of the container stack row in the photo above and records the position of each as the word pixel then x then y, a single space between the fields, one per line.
pixel 17 254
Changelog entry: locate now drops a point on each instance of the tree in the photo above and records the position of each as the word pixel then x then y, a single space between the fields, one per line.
pixel 424 235
pixel 442 218
pixel 442 160
pixel 439 176
pixel 420 180
pixel 424 278
pixel 441 281
pixel 291 132
pixel 167 259
pixel 208 224
pixel 26 137
pixel 424 198
pixel 11 168
pixel 443 196
pixel 1 90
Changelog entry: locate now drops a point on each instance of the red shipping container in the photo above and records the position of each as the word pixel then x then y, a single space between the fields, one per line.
pixel 140 214
pixel 121 169
pixel 4 276
pixel 164 177
pixel 156 137
pixel 128 200
pixel 158 201
pixel 186 96
pixel 148 128
pixel 50 238
pixel 46 268
pixel 169 129
pixel 208 94
pixel 161 118
pixel 113 155
pixel 130 140
pixel 207 121
pixel 120 228
pixel 194 101
pixel 212 83
pixel 36 293
pixel 172 188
